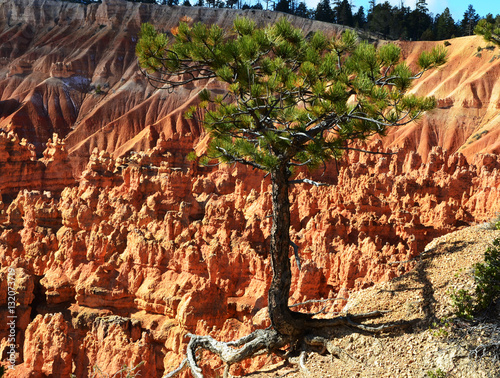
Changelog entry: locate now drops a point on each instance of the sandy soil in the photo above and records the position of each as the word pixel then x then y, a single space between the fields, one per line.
pixel 434 343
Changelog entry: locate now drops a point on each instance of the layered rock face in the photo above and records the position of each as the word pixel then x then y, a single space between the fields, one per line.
pixel 114 267
pixel 70 69
pixel 467 91
pixel 149 247
pixel 21 170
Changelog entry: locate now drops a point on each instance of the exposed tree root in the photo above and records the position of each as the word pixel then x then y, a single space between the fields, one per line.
pixel 231 352
pixel 302 362
pixel 271 341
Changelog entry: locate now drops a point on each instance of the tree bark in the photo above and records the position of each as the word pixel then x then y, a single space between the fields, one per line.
pixel 283 320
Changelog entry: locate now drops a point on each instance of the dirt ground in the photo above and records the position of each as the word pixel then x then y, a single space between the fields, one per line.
pixel 433 343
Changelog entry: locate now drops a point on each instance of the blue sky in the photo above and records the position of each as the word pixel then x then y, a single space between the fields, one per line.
pixel 457 7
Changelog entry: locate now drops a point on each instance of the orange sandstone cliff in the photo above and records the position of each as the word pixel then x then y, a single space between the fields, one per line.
pixel 120 245
pixel 144 250
pixel 70 69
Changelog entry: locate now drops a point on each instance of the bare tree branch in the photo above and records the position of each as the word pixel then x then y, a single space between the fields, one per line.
pixel 296 252
pixel 308 181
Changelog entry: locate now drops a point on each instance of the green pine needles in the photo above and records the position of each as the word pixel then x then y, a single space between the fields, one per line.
pixel 489 29
pixel 285 100
pixel 487 280
pixel 288 97
pixel 487 277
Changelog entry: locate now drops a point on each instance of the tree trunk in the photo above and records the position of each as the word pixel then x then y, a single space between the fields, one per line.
pixel 283 319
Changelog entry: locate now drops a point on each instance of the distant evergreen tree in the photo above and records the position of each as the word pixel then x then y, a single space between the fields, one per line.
pixel 419 21
pixel 445 26
pixel 380 18
pixel 186 3
pixel 343 13
pixel 283 6
pixel 399 27
pixel 231 3
pixel 421 6
pixel 469 21
pixel 492 20
pixel 389 21
pixel 428 35
pixel 303 11
pixel 270 2
pixel 324 11
pixel 372 5
pixel 359 19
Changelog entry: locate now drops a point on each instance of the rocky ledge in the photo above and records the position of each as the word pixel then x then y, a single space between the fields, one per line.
pixel 147 247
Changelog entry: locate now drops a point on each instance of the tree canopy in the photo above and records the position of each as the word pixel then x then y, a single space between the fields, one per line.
pixel 489 28
pixel 289 98
pixel 289 101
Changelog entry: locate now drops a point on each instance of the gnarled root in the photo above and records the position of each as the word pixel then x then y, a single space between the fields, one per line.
pixel 270 341
pixel 231 352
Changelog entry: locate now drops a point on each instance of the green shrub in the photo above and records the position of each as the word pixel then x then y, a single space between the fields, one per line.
pixel 463 302
pixel 436 374
pixel 487 276
pixel 487 280
pixel 442 329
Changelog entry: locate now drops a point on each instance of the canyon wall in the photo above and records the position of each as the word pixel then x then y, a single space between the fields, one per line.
pixel 148 248
pixel 467 91
pixel 70 69
pixel 121 246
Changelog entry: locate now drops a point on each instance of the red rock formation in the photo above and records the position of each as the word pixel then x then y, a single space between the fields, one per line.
pixel 71 69
pixel 148 246
pixel 114 342
pixel 175 249
pixel 466 89
pixel 48 348
pixel 93 94
pixel 21 170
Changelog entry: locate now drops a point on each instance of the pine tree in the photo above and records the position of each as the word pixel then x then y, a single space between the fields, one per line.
pixel 445 25
pixel 284 6
pixel 324 11
pixel 419 21
pixel 372 5
pixel 489 28
pixel 469 21
pixel 343 13
pixel 290 102
pixel 303 11
pixel 231 3
pixel 359 19
pixel 381 19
